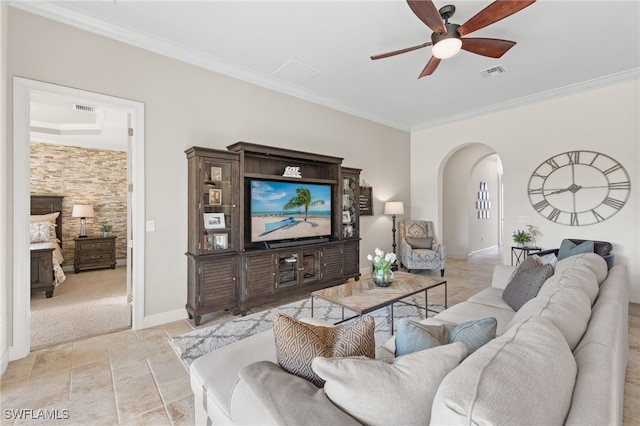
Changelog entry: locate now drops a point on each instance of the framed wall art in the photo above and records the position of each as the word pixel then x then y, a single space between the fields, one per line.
pixel 215 197
pixel 213 220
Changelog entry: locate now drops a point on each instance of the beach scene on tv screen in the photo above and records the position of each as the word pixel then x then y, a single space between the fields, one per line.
pixel 289 210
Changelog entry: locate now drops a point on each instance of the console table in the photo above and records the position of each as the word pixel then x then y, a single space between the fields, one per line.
pixel 521 253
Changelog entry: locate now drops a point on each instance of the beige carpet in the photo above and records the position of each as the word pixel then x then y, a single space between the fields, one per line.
pixel 87 304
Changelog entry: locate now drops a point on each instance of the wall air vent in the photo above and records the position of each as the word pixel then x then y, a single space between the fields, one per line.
pixel 85 108
pixel 493 71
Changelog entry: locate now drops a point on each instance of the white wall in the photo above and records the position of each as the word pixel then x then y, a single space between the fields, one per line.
pixel 603 120
pixel 185 106
pixel 5 240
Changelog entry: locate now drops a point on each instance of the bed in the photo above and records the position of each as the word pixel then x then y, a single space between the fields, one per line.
pixel 46 243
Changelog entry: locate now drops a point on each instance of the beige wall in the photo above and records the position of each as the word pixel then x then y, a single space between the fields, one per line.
pixel 83 176
pixel 185 106
pixel 6 306
pixel 603 120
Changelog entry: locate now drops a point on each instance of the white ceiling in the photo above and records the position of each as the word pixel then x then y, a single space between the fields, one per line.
pixel 319 50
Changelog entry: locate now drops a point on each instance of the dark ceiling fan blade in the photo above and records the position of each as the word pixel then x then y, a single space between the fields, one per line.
pixel 492 47
pixel 496 11
pixel 426 11
pixel 431 67
pixel 397 52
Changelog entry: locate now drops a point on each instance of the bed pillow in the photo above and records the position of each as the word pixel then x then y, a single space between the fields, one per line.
pixel 526 283
pixel 42 232
pixel 395 391
pixel 297 343
pixel 49 217
pixel 420 243
pixel 413 336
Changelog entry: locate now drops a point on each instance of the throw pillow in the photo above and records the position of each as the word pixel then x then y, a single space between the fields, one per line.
pixel 297 343
pixel 569 248
pixel 420 243
pixel 525 285
pixel 42 232
pixel 529 262
pixel 413 336
pixel 49 217
pixel 547 259
pixel 398 391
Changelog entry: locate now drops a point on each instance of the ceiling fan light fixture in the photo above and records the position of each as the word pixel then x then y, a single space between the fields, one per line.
pixel 447 48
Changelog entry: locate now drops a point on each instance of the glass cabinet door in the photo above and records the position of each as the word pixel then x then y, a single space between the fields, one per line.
pixel 218 205
pixel 350 220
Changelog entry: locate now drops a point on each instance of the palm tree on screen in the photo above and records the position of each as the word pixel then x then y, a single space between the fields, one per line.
pixel 302 198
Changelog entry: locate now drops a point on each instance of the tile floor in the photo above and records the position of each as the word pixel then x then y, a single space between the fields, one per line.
pixel 134 377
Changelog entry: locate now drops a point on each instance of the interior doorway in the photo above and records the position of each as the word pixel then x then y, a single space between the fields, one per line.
pixel 23 92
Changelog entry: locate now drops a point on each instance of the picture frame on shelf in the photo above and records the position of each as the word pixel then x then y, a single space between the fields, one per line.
pixel 215 197
pixel 348 231
pixel 346 216
pixel 216 173
pixel 221 241
pixel 214 220
pixel 207 243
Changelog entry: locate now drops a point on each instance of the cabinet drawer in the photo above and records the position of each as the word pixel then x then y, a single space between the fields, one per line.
pixel 95 245
pixel 95 256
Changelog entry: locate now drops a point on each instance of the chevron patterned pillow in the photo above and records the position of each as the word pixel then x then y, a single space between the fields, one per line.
pixel 298 343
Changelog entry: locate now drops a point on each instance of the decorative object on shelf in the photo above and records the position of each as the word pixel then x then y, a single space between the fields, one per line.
pixel 365 201
pixel 216 173
pixel 215 197
pixel 346 217
pixel 220 241
pixel 394 208
pixel 83 211
pixel 105 230
pixel 521 237
pixel 532 230
pixel 579 188
pixel 213 220
pixel 382 274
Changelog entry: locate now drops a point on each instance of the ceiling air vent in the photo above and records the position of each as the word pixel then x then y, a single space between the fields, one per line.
pixel 493 71
pixel 85 108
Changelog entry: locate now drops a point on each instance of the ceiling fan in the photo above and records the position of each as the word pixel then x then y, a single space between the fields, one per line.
pixel 446 38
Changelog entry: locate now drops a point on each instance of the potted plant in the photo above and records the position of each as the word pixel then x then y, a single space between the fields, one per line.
pixel 105 230
pixel 521 238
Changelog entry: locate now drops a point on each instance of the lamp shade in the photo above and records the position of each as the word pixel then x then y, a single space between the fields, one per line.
pixel 82 210
pixel 394 207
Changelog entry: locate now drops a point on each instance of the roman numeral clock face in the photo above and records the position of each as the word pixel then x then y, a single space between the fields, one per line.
pixel 579 188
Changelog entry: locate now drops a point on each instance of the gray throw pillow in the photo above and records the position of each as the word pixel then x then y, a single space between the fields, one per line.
pixel 420 243
pixel 569 248
pixel 413 336
pixel 525 285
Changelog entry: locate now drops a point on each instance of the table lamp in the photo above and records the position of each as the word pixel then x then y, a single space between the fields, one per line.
pixel 82 211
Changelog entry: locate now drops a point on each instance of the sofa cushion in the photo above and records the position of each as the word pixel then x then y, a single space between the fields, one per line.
pixel 592 261
pixel 379 392
pixel 526 283
pixel 569 248
pixel 297 343
pixel 527 375
pixel 420 243
pixel 301 404
pixel 568 308
pixel 413 336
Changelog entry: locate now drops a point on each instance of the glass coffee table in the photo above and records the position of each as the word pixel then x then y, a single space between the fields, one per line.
pixel 363 296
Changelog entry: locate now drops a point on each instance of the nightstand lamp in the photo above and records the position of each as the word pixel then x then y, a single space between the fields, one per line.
pixel 394 208
pixel 82 211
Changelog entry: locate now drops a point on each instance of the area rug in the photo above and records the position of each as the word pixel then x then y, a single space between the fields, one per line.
pixel 190 346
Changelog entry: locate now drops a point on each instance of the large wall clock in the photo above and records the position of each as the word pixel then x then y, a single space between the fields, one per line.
pixel 579 188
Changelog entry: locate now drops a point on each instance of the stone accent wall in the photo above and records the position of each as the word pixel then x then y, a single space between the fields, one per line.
pixel 83 176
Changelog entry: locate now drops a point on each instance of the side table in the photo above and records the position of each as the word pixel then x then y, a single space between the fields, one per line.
pixel 95 252
pixel 521 253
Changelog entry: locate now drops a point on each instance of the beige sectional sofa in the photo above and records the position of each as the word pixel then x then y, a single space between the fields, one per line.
pixel 561 358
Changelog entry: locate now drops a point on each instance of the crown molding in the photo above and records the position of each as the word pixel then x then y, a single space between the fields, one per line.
pixel 58 12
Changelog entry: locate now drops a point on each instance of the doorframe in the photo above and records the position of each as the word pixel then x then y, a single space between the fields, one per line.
pixel 22 90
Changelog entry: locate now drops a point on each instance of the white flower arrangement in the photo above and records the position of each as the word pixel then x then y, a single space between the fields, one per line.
pixel 381 260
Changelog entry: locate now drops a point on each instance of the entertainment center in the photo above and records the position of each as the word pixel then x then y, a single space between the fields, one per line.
pixel 267 223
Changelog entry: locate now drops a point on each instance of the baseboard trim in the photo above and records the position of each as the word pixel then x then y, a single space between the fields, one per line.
pixel 4 361
pixel 163 318
pixel 483 249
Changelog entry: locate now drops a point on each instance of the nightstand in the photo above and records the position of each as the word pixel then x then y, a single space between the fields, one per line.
pixel 95 252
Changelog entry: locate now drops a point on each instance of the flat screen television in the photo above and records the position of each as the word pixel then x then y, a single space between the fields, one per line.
pixel 283 210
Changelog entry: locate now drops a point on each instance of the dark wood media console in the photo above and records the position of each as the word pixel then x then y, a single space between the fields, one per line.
pixel 226 271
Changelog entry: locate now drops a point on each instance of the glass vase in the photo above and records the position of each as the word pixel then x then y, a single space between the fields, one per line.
pixel 382 277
